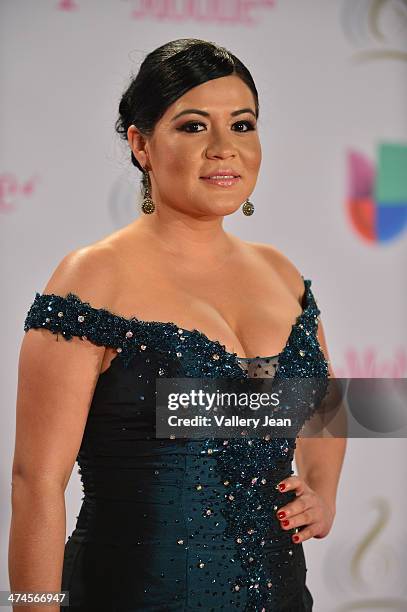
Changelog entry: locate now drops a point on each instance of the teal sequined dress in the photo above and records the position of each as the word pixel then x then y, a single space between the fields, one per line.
pixel 174 524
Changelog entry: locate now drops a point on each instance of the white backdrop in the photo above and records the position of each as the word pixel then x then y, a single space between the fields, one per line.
pixel 332 81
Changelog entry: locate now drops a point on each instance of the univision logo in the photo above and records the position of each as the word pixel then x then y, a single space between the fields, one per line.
pixel 377 197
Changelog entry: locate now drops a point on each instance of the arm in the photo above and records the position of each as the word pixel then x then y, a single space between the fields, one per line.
pixel 319 460
pixel 56 380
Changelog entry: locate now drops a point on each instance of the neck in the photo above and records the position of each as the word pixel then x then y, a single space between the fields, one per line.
pixel 184 236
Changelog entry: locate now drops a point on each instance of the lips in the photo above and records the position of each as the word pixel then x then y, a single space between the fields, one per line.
pixel 221 176
pixel 222 173
pixel 222 181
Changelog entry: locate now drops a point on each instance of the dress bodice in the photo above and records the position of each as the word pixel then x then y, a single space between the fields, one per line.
pixel 70 316
pixel 208 506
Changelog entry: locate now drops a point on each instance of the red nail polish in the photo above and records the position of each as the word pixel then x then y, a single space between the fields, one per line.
pixel 285 523
pixel 281 514
pixel 281 486
pixel 296 538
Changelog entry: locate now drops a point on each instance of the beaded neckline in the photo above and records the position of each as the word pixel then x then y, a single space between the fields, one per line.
pixel 308 304
pixel 202 335
pixel 307 298
pixel 258 357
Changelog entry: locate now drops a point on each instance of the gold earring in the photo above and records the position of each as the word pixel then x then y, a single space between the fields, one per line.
pixel 147 205
pixel 248 208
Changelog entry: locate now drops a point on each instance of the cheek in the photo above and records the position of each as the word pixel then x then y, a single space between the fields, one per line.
pixel 179 157
pixel 254 154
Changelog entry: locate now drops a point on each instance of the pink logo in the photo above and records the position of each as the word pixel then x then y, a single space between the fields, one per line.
pixel 12 190
pixel 213 11
pixel 369 364
pixel 67 5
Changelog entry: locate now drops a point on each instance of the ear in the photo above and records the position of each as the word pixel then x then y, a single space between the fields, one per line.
pixel 138 144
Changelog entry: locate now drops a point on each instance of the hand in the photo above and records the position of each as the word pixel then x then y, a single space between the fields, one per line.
pixel 309 511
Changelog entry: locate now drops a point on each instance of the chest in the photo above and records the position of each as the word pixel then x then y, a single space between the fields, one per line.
pixel 251 314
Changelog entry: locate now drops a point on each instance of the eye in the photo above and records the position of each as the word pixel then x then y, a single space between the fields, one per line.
pixel 185 127
pixel 250 125
pixel 189 124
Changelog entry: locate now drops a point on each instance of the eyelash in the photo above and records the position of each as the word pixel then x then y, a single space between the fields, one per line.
pixel 250 125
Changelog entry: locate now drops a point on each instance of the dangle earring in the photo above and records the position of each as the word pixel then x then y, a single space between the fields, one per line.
pixel 248 208
pixel 147 205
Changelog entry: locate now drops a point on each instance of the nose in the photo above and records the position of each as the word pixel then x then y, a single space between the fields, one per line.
pixel 220 145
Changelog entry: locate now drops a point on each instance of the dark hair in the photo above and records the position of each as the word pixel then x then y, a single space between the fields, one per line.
pixel 166 74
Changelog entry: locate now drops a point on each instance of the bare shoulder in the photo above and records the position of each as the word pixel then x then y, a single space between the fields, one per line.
pixel 282 265
pixel 90 272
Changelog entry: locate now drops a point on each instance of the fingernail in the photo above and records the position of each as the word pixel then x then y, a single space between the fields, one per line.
pixel 286 522
pixel 281 486
pixel 281 514
pixel 296 538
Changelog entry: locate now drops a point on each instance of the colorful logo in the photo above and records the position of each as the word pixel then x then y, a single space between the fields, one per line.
pixel 377 200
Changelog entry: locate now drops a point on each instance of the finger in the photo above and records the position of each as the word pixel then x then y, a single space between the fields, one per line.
pixel 304 519
pixel 288 484
pixel 297 506
pixel 303 534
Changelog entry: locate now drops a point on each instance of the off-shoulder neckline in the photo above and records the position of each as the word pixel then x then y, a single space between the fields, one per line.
pixel 307 302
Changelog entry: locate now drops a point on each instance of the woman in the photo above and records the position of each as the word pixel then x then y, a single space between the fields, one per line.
pixel 169 524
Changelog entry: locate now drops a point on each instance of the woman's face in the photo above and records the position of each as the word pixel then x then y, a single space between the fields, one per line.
pixel 216 138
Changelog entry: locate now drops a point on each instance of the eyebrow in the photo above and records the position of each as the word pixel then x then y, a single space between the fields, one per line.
pixel 205 114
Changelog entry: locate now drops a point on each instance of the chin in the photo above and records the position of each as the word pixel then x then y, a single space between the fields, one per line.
pixel 224 209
